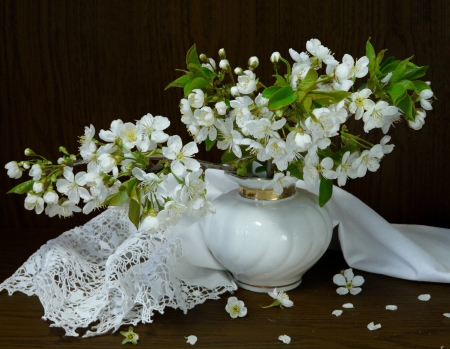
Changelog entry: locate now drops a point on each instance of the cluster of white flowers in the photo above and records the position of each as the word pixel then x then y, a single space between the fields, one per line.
pixel 124 146
pixel 246 122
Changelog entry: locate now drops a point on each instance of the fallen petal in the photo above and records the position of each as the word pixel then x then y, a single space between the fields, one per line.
pixel 347 305
pixel 373 327
pixel 337 312
pixel 447 314
pixel 285 339
pixel 424 297
pixel 191 340
pixel 391 307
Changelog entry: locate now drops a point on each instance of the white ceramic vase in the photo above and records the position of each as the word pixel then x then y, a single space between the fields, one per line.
pixel 267 240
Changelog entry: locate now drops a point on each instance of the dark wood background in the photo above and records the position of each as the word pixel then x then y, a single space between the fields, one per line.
pixel 67 64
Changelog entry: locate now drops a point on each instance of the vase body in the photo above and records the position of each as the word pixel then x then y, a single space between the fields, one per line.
pixel 267 241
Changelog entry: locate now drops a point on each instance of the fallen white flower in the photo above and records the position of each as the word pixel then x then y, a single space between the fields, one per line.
pixel 424 297
pixel 347 305
pixel 391 307
pixel 236 308
pixel 447 314
pixel 191 340
pixel 373 327
pixel 348 282
pixel 285 339
pixel 337 313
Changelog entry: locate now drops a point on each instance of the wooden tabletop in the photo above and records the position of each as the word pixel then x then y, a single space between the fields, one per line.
pixel 310 324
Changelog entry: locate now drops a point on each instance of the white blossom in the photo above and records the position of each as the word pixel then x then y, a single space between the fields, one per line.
pixel 368 160
pixel 359 102
pixel 315 47
pixel 36 172
pixel 113 133
pixel 14 170
pixel 279 182
pixel 34 202
pixel 154 187
pixel 228 137
pixel 246 82
pixel 345 169
pixel 150 131
pixel 149 224
pixel 376 115
pixel 221 108
pixel 299 58
pixel 281 299
pixel 348 282
pixel 72 185
pixel 425 96
pixel 38 187
pixel 419 120
pixel 313 168
pixel 50 197
pixel 211 65
pixel 181 156
pixel 196 98
pixel 129 135
pixel 236 308
pixel 275 57
pixel 360 69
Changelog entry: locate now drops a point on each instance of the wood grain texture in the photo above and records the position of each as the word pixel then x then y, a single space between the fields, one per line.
pixel 310 324
pixel 67 64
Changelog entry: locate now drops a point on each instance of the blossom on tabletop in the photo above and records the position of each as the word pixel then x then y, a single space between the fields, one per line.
pixel 391 307
pixel 337 312
pixel 424 297
pixel 281 299
pixel 348 282
pixel 130 336
pixel 236 308
pixel 347 305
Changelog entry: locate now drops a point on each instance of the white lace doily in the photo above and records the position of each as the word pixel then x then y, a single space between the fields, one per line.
pixel 106 271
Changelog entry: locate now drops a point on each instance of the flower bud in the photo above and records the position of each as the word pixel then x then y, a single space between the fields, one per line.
pixel 222 53
pixel 29 152
pixel 253 62
pixel 203 58
pixel 50 197
pixel 234 91
pixel 26 165
pixel 224 64
pixel 38 187
pixel 63 150
pixel 275 58
pixel 238 71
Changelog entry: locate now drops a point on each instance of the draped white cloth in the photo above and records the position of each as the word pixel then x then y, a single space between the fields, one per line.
pixel 106 271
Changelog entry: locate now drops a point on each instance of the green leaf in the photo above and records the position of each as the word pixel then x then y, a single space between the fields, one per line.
pixel 307 101
pixel 380 56
pixel 192 56
pixel 331 96
pixel 419 86
pixel 416 73
pixel 209 143
pixel 407 84
pixel 390 67
pixel 370 53
pixel 386 62
pixel 22 188
pixel 280 80
pixel 187 88
pixel 294 169
pixel 405 104
pixel 288 67
pixel 325 191
pixel 200 71
pixel 180 82
pixel 268 92
pixel 399 72
pixel 396 91
pixel 309 80
pixel 128 185
pixel 197 83
pixel 227 157
pixel 282 98
pixel 117 199
pixel 134 212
